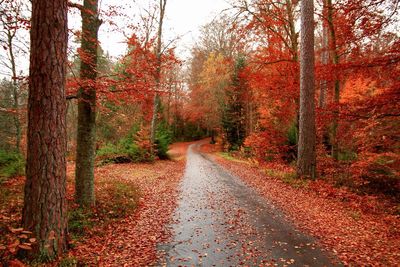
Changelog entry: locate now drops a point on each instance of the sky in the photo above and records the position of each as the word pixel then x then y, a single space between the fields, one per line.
pixel 183 19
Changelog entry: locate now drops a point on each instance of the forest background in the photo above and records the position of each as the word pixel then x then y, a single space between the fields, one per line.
pixel 240 86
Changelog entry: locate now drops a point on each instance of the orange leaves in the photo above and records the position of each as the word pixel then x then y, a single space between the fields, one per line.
pixel 208 92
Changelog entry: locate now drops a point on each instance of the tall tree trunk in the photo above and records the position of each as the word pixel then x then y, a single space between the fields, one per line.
pixel 292 30
pixel 294 46
pixel 45 206
pixel 324 57
pixel 306 163
pixel 335 61
pixel 156 99
pixel 17 123
pixel 86 130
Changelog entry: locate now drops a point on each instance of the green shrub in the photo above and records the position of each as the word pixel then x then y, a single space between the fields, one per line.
pixel 108 149
pixel 127 150
pixel 11 164
pixel 163 139
pixel 135 147
pixel 292 135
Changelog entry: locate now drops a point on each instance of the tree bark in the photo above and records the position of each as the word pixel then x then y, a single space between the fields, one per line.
pixel 306 163
pixel 156 99
pixel 45 206
pixel 292 29
pixel 86 130
pixel 324 56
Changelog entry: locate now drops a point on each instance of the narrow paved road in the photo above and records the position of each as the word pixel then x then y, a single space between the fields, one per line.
pixel 222 222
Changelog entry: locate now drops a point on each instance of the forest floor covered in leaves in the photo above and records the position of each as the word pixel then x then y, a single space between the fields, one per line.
pixel 133 204
pixel 132 240
pixel 360 230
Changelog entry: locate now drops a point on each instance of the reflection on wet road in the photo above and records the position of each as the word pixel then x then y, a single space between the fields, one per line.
pixel 222 222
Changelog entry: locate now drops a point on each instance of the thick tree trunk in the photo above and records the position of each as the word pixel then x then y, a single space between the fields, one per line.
pixel 45 207
pixel 306 163
pixel 86 130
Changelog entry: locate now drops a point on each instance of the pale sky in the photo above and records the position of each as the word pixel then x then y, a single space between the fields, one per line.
pixel 183 18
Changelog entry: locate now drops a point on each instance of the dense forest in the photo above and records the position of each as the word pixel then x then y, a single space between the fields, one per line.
pixel 309 90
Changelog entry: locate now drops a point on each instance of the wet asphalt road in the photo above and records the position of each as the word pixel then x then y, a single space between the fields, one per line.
pixel 220 221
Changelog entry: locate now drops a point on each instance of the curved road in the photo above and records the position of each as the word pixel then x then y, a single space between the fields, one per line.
pixel 220 221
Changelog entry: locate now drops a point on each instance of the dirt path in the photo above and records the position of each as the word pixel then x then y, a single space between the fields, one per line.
pixel 222 222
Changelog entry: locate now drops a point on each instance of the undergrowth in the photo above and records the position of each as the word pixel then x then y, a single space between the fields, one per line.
pixel 115 200
pixel 11 164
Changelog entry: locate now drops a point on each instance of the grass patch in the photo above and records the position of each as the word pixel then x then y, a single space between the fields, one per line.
pixel 230 157
pixel 289 178
pixel 117 199
pixel 227 156
pixel 125 151
pixel 79 221
pixel 68 262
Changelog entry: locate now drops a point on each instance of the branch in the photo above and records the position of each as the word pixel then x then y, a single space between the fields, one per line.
pixel 364 117
pixel 78 6
pixel 167 45
pixel 263 63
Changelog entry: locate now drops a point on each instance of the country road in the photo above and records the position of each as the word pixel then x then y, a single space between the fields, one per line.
pixel 220 221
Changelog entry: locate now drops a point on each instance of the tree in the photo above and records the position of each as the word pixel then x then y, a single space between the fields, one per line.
pixel 12 22
pixel 45 206
pixel 158 52
pixel 306 162
pixel 335 61
pixel 86 130
pixel 273 76
pixel 234 117
pixel 324 56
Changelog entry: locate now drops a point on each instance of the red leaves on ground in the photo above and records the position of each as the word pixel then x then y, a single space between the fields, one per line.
pixel 339 219
pixel 132 241
pixel 128 241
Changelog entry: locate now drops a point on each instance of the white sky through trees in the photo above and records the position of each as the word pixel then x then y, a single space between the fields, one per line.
pixel 182 22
